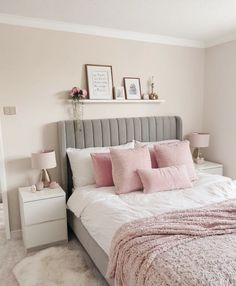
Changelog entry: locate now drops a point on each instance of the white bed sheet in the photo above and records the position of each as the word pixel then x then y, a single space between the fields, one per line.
pixel 102 212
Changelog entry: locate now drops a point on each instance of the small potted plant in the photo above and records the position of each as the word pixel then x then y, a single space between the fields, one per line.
pixel 77 94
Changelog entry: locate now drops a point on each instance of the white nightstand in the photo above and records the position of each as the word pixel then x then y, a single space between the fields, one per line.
pixel 210 168
pixel 43 217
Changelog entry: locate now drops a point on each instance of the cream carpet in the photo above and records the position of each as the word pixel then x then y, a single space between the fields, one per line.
pixel 2 222
pixel 12 254
pixel 62 265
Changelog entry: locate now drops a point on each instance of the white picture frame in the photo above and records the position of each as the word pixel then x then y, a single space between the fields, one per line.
pixel 119 93
pixel 99 82
pixel 132 88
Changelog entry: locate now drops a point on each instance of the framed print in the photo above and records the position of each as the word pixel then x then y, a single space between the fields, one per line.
pixel 132 88
pixel 99 81
pixel 119 93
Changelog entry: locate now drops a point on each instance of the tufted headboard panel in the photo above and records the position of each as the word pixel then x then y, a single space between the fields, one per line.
pixel 111 132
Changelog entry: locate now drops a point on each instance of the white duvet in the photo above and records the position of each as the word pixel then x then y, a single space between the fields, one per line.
pixel 102 212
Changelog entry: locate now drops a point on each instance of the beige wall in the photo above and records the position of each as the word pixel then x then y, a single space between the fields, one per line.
pixel 220 104
pixel 39 66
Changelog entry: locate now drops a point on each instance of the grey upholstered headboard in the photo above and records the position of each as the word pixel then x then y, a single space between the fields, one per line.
pixel 111 132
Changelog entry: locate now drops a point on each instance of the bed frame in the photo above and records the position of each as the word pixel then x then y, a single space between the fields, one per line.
pixel 103 133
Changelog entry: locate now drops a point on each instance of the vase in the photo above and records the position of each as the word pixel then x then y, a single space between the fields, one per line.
pixel 77 113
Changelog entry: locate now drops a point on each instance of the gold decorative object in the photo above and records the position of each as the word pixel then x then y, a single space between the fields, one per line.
pixel 153 95
pixel 198 141
pixel 44 160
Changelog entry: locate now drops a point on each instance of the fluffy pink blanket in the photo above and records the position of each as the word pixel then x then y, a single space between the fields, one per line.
pixel 181 248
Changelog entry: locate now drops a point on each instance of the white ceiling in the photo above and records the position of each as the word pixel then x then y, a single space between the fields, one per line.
pixel 203 21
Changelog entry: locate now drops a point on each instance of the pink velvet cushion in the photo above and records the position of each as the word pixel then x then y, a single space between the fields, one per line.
pixel 153 158
pixel 102 169
pixel 164 179
pixel 151 148
pixel 175 154
pixel 124 168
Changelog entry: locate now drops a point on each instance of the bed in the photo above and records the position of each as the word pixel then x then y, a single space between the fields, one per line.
pixel 95 232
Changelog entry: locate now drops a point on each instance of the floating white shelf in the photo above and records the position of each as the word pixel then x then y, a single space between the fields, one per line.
pixel 93 101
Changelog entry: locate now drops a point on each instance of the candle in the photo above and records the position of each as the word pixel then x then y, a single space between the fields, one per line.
pixel 33 189
pixel 152 79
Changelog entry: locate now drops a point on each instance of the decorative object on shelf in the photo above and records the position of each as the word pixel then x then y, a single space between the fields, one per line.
pixel 119 93
pixel 77 94
pixel 153 95
pixel 198 141
pixel 145 96
pixel 132 88
pixel 44 160
pixel 99 81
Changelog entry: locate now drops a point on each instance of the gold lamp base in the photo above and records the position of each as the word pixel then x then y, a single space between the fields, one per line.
pixel 197 156
pixel 45 178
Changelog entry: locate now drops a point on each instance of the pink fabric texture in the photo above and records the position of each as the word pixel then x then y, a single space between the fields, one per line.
pixel 151 148
pixel 102 169
pixel 124 168
pixel 164 179
pixel 181 248
pixel 153 158
pixel 175 154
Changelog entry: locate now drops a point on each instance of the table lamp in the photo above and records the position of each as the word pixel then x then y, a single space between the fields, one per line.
pixel 44 160
pixel 198 141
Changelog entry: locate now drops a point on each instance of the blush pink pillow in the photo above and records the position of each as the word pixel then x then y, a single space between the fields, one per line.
pixel 151 149
pixel 153 158
pixel 175 154
pixel 102 169
pixel 164 179
pixel 124 168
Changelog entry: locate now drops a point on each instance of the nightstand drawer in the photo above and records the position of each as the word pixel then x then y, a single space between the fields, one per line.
pixel 45 233
pixel 44 210
pixel 214 171
pixel 210 168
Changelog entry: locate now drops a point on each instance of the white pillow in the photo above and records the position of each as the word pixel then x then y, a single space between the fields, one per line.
pixel 81 163
pixel 151 144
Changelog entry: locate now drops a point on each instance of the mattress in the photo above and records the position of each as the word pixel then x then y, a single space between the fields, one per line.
pixel 102 212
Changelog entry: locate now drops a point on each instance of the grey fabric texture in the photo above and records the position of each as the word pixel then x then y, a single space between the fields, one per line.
pixel 112 132
pixel 97 254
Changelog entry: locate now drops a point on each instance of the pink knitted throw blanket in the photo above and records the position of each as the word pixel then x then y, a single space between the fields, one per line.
pixel 181 248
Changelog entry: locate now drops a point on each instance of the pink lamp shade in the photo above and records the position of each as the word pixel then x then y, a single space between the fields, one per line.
pixel 43 160
pixel 199 140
